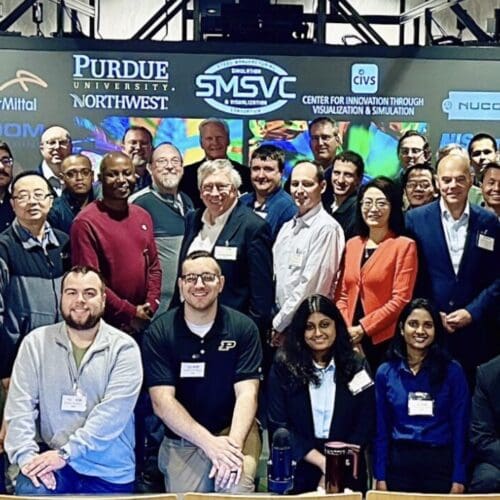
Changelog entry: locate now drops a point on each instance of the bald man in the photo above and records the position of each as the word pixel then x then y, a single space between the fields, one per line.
pixel 77 174
pixel 55 146
pixel 459 263
pixel 117 239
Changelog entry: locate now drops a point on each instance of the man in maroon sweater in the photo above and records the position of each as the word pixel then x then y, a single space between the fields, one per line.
pixel 117 239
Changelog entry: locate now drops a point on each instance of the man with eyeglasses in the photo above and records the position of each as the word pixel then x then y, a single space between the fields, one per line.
pixel 324 141
pixel 203 364
pixel 237 238
pixel 168 208
pixel 55 145
pixel 33 257
pixel 459 268
pixel 77 175
pixel 413 149
pixel 419 185
pixel 6 165
pixel 137 143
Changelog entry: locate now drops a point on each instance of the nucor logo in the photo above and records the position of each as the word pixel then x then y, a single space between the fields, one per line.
pixel 245 86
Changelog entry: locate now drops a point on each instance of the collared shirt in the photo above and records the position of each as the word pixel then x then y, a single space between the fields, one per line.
pixel 455 232
pixel 30 241
pixel 307 256
pixel 54 181
pixel 206 238
pixel 448 426
pixel 323 399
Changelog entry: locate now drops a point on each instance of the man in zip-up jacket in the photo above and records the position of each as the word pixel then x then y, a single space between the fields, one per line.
pixel 74 384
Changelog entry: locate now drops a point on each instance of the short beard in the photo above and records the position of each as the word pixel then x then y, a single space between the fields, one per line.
pixel 88 325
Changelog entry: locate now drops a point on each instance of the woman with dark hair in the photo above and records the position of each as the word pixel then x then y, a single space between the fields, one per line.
pixel 6 167
pixel 320 391
pixel 379 271
pixel 422 409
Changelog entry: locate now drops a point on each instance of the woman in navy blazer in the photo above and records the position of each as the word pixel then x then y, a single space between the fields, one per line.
pixel 309 392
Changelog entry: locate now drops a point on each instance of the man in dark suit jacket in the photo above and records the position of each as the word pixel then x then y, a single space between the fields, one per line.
pixel 485 429
pixel 459 267
pixel 214 140
pixel 237 238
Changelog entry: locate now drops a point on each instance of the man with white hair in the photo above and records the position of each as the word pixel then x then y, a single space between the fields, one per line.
pixel 214 140
pixel 239 239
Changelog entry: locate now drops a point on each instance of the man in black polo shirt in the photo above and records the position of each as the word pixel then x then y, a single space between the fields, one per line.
pixel 202 363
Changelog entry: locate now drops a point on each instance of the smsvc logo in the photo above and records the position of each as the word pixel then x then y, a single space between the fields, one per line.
pixel 463 105
pixel 245 86
pixel 364 78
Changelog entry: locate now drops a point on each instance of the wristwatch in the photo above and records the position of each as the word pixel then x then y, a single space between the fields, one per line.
pixel 64 454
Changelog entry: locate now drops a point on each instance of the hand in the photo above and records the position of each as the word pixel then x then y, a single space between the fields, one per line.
pixel 457 488
pixel 277 338
pixel 144 311
pixel 223 451
pixel 381 486
pixel 48 480
pixel 459 319
pixel 42 465
pixel 226 477
pixel 356 333
pixel 3 432
pixel 446 326
pixel 321 483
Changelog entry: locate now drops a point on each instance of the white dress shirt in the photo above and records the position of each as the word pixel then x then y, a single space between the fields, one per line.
pixel 455 232
pixel 307 255
pixel 323 399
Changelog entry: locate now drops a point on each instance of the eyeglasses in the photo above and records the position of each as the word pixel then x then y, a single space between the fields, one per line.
pixel 422 185
pixel 56 143
pixel 222 188
pixel 163 162
pixel 7 161
pixel 206 278
pixel 26 196
pixel 73 174
pixel 379 204
pixel 413 151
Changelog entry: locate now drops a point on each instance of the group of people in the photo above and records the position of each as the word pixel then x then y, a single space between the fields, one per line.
pixel 347 309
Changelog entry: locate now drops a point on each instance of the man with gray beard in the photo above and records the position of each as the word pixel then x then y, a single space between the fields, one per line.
pixel 168 208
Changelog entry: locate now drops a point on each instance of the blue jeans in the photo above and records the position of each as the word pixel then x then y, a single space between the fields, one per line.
pixel 70 481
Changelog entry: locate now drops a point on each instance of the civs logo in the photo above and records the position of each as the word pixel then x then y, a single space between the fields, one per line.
pixel 364 78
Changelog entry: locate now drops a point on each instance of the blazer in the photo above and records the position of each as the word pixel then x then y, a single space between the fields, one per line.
pixel 249 277
pixel 485 419
pixel 476 287
pixel 384 284
pixel 353 418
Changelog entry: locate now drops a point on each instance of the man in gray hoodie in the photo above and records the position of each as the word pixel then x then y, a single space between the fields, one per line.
pixel 75 383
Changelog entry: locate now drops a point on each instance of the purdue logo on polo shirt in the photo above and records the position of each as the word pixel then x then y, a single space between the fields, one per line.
pixel 226 345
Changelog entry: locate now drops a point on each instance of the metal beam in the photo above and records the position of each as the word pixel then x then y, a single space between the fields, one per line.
pixel 159 19
pixel 470 24
pixel 431 5
pixel 9 20
pixel 81 7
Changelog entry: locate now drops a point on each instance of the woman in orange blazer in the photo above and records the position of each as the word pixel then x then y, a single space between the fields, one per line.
pixel 379 272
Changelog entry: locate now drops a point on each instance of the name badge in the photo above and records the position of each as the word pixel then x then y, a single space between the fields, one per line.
pixel 420 404
pixel 486 242
pixel 192 370
pixel 74 402
pixel 225 253
pixel 296 259
pixel 360 382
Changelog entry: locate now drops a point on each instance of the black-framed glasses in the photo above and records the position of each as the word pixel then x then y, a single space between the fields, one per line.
pixel 7 161
pixel 206 278
pixel 25 196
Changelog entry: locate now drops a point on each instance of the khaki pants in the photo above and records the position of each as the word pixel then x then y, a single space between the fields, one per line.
pixel 186 467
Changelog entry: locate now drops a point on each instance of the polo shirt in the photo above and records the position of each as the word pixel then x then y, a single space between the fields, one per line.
pixel 229 353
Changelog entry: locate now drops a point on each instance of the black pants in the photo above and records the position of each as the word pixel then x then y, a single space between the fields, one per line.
pixel 419 468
